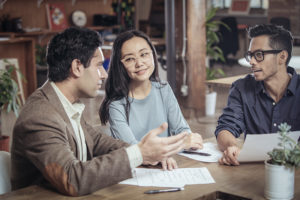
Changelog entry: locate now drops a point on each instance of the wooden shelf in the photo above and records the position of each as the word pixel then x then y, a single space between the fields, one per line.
pixel 101 28
pixel 50 32
pixel 14 40
pixel 24 50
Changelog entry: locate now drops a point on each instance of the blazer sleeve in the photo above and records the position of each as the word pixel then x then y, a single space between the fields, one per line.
pixel 45 143
pixel 102 143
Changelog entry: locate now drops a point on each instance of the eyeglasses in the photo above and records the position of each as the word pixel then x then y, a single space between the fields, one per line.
pixel 259 54
pixel 130 60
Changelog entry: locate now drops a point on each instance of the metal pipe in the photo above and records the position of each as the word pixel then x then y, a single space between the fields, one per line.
pixel 184 86
pixel 170 42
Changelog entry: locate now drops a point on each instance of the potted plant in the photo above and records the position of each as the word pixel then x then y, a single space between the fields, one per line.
pixel 9 99
pixel 211 96
pixel 213 52
pixel 280 168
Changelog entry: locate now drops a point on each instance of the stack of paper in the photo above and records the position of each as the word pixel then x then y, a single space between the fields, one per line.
pixel 175 178
pixel 257 146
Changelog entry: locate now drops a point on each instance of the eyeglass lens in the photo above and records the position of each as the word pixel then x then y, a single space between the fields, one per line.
pixel 131 60
pixel 258 55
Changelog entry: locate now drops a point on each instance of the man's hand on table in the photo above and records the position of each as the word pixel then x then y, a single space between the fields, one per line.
pixel 230 156
pixel 169 164
pixel 229 145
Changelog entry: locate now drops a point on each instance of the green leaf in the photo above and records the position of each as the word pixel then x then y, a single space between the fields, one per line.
pixel 9 98
pixel 213 37
pixel 210 14
pixel 289 153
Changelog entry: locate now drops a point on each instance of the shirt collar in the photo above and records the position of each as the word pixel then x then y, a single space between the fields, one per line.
pixel 73 110
pixel 294 79
pixel 260 87
pixel 291 86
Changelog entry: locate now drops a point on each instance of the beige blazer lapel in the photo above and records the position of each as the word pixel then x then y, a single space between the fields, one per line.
pixel 88 138
pixel 51 95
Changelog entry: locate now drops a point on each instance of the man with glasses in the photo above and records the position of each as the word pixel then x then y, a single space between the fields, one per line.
pixel 263 100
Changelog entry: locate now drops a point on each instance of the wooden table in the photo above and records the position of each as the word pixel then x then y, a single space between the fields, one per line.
pixel 224 82
pixel 246 180
pixel 222 86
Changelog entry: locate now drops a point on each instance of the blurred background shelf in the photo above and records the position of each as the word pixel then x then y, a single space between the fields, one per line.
pixel 24 50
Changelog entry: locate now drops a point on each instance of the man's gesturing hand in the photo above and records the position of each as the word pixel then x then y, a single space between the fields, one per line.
pixel 154 148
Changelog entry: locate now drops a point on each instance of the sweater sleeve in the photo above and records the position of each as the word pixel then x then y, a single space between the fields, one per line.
pixel 176 121
pixel 118 123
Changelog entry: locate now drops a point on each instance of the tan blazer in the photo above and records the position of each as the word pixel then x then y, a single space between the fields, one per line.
pixel 44 150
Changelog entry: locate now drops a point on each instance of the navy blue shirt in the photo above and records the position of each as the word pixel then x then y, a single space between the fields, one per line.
pixel 251 110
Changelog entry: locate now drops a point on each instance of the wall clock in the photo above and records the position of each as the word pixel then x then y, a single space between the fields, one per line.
pixel 78 18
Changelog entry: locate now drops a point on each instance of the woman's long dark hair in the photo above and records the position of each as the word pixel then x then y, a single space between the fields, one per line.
pixel 117 84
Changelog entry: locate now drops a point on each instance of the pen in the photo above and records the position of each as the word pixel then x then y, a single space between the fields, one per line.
pixel 195 152
pixel 164 190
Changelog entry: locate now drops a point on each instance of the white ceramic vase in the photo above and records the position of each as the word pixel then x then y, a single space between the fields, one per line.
pixel 210 101
pixel 279 182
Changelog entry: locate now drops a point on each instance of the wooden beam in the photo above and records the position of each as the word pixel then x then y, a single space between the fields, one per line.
pixel 196 49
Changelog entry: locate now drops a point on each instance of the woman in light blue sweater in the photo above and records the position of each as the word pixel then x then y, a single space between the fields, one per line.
pixel 136 100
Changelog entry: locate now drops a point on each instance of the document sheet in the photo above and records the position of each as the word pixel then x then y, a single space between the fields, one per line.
pixel 211 148
pixel 256 146
pixel 175 178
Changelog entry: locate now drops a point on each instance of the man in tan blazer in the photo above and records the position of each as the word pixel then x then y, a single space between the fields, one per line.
pixel 53 144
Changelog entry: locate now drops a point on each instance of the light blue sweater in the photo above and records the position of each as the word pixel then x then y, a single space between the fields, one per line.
pixel 146 114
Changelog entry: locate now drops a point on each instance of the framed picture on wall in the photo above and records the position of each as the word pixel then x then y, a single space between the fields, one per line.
pixel 56 16
pixel 239 7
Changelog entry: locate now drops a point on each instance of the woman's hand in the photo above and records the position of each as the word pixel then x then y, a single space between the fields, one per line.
pixel 194 141
pixel 169 164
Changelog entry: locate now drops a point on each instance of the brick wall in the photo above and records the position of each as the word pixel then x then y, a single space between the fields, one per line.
pixel 286 8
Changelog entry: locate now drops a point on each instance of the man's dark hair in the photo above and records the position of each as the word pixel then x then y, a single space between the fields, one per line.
pixel 72 43
pixel 279 38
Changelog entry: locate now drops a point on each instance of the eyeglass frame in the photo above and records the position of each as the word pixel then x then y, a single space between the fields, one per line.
pixel 139 57
pixel 273 51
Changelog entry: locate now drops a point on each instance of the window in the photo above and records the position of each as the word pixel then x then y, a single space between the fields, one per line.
pixel 263 4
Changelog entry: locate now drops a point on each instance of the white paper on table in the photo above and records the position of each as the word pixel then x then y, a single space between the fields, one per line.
pixel 208 147
pixel 130 181
pixel 256 146
pixel 175 178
